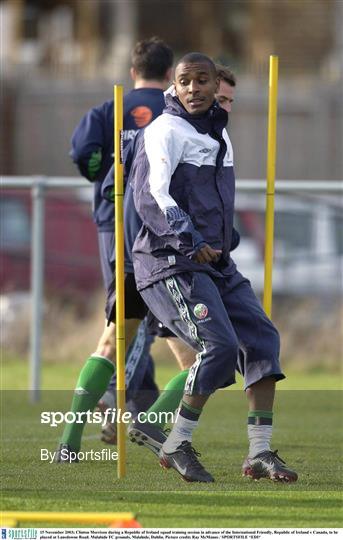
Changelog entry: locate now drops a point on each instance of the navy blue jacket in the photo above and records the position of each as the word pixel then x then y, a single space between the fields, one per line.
pixel 184 187
pixel 95 131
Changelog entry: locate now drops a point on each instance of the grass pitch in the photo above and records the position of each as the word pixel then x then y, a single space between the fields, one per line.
pixel 307 432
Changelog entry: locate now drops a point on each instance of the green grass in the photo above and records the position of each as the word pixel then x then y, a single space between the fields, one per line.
pixel 307 432
pixel 15 376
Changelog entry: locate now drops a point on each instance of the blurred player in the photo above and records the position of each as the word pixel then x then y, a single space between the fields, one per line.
pixel 92 150
pixel 183 181
pixel 226 90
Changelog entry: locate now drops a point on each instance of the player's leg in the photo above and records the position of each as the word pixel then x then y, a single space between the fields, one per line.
pixel 150 432
pixel 171 396
pixel 138 358
pixel 183 353
pixel 262 462
pixel 148 429
pixel 96 374
pixel 92 383
pixel 261 369
pixel 141 389
pixel 145 395
pixel 137 362
pixel 190 305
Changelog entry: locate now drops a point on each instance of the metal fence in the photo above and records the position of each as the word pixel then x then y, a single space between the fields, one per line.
pixel 39 185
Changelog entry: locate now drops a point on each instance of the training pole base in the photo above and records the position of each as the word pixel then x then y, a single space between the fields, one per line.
pixel 111 519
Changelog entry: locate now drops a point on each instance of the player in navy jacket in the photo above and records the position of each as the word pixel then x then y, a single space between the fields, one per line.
pixel 169 400
pixel 92 150
pixel 184 189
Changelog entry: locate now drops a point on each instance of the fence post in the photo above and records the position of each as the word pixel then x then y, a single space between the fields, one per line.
pixel 37 277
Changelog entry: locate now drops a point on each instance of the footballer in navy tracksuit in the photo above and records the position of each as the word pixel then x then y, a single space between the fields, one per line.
pixel 92 151
pixel 184 186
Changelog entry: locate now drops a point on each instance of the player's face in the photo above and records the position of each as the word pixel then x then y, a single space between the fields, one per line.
pixel 225 95
pixel 195 86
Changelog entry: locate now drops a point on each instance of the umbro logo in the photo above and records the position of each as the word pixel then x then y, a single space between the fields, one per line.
pixel 205 150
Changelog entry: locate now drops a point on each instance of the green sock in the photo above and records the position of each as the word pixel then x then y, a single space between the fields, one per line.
pixel 170 398
pixel 92 383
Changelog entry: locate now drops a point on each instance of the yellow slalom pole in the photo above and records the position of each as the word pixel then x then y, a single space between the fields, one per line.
pixel 65 517
pixel 120 300
pixel 271 161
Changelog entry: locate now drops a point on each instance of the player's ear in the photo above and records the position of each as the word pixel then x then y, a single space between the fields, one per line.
pixel 133 73
pixel 217 85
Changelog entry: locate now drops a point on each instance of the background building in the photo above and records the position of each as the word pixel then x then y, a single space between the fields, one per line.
pixel 58 57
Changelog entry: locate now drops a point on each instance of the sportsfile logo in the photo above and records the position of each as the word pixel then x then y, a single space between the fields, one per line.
pixel 109 416
pixel 19 533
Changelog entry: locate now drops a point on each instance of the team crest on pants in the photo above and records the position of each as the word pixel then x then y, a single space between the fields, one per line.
pixel 200 311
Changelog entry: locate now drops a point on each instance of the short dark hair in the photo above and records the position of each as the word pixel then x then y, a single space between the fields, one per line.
pixel 225 74
pixel 151 58
pixel 194 57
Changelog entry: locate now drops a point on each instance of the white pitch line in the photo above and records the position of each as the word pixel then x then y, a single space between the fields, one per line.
pixel 86 438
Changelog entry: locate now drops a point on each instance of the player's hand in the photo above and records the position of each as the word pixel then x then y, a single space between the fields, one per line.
pixel 94 164
pixel 207 255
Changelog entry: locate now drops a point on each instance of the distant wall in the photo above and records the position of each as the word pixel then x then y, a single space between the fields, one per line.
pixel 41 115
pixel 309 132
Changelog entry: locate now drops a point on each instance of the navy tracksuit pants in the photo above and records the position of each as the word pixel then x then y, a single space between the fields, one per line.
pixel 217 317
